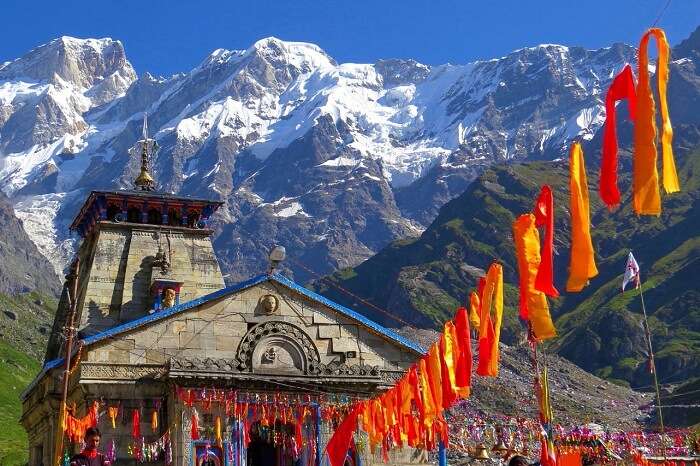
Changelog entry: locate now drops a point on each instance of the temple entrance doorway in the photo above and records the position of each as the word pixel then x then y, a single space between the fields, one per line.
pixel 273 446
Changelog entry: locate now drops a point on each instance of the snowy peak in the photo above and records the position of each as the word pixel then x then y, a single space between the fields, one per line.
pixel 302 55
pixel 396 72
pixel 80 62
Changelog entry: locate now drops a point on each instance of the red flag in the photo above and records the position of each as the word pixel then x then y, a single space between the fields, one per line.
pixel 339 444
pixel 135 424
pixel 544 216
pixel 622 87
pixel 194 432
pixel 464 363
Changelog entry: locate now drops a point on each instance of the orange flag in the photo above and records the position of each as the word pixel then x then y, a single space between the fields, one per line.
pixel 533 302
pixel 379 428
pixel 474 309
pixel 647 200
pixel 366 416
pixel 490 330
pixel 430 410
pixel 434 365
pixel 450 353
pixel 582 263
pixel 414 388
pixel 403 409
pixel 403 398
pixel 389 403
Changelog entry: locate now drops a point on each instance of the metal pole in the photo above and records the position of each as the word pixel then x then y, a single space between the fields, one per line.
pixel 72 298
pixel 442 454
pixel 647 335
pixel 319 450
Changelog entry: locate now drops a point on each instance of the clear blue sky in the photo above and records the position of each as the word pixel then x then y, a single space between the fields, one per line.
pixel 166 37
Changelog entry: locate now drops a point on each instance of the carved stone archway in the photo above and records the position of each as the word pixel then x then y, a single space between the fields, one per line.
pixel 277 347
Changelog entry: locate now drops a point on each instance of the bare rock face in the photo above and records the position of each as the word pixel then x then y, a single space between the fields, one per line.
pixel 22 267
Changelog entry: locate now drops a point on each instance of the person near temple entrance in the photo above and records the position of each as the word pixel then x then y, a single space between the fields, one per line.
pixel 260 451
pixel 90 456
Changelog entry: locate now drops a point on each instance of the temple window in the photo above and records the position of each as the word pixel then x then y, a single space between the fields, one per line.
pixel 112 211
pixel 133 215
pixel 174 218
pixel 192 218
pixel 155 217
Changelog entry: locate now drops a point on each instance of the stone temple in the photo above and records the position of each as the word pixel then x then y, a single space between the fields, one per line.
pixel 264 369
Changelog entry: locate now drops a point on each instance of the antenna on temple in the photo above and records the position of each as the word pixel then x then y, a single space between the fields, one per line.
pixel 145 181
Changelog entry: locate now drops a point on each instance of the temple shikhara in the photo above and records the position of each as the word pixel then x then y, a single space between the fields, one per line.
pixel 175 367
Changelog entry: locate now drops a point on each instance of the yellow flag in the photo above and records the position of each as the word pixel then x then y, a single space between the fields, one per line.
pixel 474 309
pixel 533 302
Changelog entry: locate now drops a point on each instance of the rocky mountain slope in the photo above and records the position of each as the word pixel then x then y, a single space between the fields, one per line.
pixel 332 160
pixel 422 280
pixel 22 267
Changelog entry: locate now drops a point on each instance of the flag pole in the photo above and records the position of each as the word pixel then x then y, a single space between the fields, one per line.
pixel 647 335
pixel 72 294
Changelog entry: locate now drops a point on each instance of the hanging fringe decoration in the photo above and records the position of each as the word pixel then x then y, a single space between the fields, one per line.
pixel 194 432
pixel 75 427
pixel 135 424
pixel 217 431
pixel 154 421
pixel 112 412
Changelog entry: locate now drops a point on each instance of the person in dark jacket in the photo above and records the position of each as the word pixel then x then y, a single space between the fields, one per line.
pixel 90 456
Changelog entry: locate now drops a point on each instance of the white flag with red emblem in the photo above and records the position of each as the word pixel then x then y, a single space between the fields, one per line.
pixel 631 272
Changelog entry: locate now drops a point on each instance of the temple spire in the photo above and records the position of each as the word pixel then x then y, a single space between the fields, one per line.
pixel 145 181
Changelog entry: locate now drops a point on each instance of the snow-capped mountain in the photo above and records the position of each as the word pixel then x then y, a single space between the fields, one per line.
pixel 331 160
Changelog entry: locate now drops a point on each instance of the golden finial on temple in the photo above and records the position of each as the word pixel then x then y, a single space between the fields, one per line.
pixel 145 181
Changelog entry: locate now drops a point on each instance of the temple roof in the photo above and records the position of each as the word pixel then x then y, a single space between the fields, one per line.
pixel 276 278
pixel 91 207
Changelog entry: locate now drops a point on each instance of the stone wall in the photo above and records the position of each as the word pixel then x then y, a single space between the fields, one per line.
pixel 120 262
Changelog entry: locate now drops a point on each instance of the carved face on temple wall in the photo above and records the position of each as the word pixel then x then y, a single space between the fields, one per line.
pixel 269 304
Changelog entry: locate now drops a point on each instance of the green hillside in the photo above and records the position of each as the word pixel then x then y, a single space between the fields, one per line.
pixel 25 321
pixel 422 280
pixel 17 369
